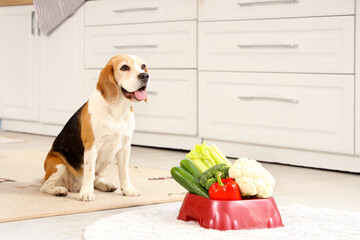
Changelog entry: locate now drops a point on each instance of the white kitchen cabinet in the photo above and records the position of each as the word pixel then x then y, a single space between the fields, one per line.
pixel 61 64
pixel 164 34
pixel 41 76
pixel 308 111
pixel 18 56
pixel 276 81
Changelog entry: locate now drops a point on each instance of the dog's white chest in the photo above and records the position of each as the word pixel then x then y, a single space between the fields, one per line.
pixel 118 127
pixel 112 139
pixel 112 134
pixel 112 126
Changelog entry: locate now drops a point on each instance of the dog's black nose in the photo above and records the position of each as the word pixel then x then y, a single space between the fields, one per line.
pixel 144 77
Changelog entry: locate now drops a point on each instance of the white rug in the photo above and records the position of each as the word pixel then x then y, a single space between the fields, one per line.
pixel 160 222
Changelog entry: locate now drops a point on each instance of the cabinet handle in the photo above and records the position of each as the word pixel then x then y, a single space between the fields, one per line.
pixel 136 46
pixel 38 28
pixel 289 100
pixel 135 9
pixel 290 45
pixel 32 23
pixel 248 4
pixel 152 92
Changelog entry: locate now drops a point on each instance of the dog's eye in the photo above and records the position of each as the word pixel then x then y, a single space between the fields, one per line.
pixel 143 67
pixel 125 68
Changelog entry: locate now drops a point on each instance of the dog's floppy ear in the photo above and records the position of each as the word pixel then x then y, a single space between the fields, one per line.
pixel 107 85
pixel 146 95
pixel 146 100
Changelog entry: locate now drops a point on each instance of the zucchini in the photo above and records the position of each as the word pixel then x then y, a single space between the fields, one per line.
pixel 190 167
pixel 188 181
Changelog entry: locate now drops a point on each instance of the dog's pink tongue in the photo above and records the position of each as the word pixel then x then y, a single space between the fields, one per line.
pixel 140 95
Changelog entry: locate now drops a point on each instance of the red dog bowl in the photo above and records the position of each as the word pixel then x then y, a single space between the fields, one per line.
pixel 230 214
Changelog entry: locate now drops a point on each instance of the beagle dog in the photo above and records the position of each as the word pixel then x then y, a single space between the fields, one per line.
pixel 99 132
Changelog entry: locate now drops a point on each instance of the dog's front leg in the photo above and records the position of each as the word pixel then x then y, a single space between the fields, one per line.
pixel 123 157
pixel 87 189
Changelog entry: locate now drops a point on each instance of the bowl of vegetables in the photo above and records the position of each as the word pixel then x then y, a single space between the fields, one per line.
pixel 225 196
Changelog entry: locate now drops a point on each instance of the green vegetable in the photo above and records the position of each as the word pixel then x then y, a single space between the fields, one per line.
pixel 190 167
pixel 221 155
pixel 189 182
pixel 204 157
pixel 212 171
pixel 198 164
pixel 225 170
pixel 203 180
pixel 210 182
pixel 209 176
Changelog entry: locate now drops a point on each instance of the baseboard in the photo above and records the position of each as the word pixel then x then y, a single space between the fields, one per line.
pixel 180 142
pixel 31 127
pixel 339 162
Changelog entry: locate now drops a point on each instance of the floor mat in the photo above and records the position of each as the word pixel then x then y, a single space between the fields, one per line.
pixel 23 200
pixel 11 140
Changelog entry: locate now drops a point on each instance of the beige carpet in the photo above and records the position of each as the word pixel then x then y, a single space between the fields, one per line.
pixel 11 140
pixel 23 200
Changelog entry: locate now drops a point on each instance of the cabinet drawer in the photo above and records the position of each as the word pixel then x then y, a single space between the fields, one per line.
pixel 311 45
pixel 172 103
pixel 303 111
pixel 256 9
pixel 139 11
pixel 160 45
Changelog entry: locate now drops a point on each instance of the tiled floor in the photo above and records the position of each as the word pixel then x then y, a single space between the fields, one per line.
pixel 311 187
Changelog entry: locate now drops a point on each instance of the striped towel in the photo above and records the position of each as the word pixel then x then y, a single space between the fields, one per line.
pixel 52 13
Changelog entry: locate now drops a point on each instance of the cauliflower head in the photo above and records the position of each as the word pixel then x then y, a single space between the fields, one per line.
pixel 252 178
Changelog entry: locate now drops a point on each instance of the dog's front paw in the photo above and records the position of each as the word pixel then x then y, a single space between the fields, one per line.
pixel 130 191
pixel 61 192
pixel 87 196
pixel 105 187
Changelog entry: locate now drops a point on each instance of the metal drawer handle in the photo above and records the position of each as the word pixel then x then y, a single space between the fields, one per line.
pixel 152 92
pixel 32 23
pixel 289 100
pixel 136 46
pixel 289 45
pixel 135 9
pixel 254 3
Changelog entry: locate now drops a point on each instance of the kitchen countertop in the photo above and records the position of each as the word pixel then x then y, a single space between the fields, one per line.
pixel 15 2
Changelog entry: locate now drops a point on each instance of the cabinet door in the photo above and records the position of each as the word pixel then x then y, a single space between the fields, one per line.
pixel 61 70
pixel 18 84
